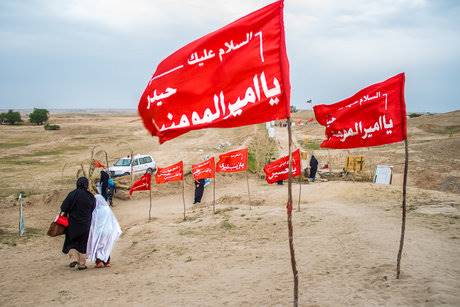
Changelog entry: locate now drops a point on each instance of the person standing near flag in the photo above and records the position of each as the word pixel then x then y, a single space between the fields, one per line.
pixel 104 181
pixel 313 168
pixel 199 189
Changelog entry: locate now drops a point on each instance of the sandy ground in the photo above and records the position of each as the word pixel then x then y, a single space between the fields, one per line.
pixel 346 238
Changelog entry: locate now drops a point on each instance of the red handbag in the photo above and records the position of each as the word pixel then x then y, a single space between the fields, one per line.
pixel 62 220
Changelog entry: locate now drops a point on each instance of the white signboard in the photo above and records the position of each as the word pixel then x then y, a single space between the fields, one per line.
pixel 383 174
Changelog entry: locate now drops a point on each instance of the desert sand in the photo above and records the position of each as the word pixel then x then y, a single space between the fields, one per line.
pixel 346 233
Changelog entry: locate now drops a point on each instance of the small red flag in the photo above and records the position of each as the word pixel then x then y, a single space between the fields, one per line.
pixel 98 164
pixel 374 116
pixel 204 169
pixel 237 75
pixel 170 173
pixel 143 184
pixel 279 169
pixel 233 161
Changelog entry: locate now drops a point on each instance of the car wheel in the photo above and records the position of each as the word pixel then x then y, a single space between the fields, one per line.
pixel 126 174
pixel 150 170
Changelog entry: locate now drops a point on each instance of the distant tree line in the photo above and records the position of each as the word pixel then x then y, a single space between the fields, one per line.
pixel 37 116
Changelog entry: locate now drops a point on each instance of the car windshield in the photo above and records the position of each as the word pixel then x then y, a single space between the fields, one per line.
pixel 123 162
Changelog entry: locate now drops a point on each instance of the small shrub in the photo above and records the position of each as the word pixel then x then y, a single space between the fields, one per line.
pixel 52 127
pixel 413 115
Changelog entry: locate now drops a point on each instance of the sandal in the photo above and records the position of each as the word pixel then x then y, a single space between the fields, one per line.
pixel 82 267
pixel 107 265
pixel 99 265
pixel 73 264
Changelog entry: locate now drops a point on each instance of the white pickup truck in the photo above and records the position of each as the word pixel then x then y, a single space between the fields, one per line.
pixel 140 163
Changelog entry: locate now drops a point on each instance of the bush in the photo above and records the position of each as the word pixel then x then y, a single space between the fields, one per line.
pixel 413 115
pixel 39 116
pixel 52 127
pixel 294 109
pixel 10 117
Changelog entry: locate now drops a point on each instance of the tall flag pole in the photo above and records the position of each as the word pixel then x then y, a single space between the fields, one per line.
pixel 374 116
pixel 143 184
pixel 174 172
pixel 235 76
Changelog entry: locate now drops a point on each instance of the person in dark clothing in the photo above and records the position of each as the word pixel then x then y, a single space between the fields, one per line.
pixel 199 188
pixel 78 206
pixel 111 192
pixel 104 184
pixel 313 168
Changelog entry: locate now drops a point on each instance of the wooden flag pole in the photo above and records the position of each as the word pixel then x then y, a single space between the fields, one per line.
pixel 150 208
pixel 289 219
pixel 300 191
pixel 183 196
pixel 249 193
pixel 214 195
pixel 403 224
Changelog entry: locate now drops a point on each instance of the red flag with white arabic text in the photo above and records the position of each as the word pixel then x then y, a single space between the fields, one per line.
pixel 235 76
pixel 233 161
pixel 374 116
pixel 204 169
pixel 170 173
pixel 279 169
pixel 143 184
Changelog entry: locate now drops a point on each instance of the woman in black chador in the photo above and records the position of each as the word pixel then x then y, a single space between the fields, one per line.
pixel 313 168
pixel 78 206
pixel 104 184
pixel 199 189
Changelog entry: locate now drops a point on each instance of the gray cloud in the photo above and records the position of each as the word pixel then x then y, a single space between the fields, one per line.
pixel 101 53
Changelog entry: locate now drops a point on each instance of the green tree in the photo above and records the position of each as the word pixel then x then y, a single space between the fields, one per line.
pixel 39 116
pixel 12 117
pixel 2 118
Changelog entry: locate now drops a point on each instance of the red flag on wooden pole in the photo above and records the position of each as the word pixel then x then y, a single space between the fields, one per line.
pixel 279 169
pixel 170 173
pixel 235 76
pixel 98 164
pixel 233 161
pixel 143 184
pixel 376 115
pixel 203 170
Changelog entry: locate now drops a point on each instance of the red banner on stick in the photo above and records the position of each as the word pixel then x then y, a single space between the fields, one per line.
pixel 374 116
pixel 143 184
pixel 170 173
pixel 279 169
pixel 235 76
pixel 233 161
pixel 203 170
pixel 98 164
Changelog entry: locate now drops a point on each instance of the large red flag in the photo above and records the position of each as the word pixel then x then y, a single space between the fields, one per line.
pixel 204 169
pixel 170 173
pixel 235 76
pixel 279 169
pixel 143 184
pixel 376 115
pixel 233 161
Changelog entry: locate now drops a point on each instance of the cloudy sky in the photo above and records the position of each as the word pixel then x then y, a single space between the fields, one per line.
pixel 100 53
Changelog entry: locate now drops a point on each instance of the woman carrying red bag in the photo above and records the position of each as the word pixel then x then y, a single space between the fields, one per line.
pixel 78 206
